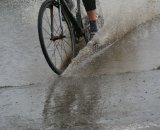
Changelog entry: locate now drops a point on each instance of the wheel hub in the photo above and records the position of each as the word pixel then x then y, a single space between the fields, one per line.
pixel 54 38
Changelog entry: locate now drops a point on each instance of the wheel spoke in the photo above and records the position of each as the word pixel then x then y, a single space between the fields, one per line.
pixel 65 50
pixel 47 20
pixel 57 28
pixel 49 44
pixel 59 54
pixel 67 43
pixel 61 49
pixel 56 40
pixel 46 31
pixel 54 54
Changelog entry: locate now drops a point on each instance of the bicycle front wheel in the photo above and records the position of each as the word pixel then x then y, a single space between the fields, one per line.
pixel 56 36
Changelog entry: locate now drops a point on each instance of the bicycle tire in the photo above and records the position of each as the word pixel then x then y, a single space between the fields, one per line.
pixel 57 69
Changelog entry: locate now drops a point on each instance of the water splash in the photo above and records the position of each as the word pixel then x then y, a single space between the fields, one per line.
pixel 122 16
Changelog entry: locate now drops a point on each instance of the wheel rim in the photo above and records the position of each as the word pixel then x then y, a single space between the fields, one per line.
pixel 58 44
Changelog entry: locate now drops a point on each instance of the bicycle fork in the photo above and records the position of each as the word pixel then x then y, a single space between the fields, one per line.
pixel 60 36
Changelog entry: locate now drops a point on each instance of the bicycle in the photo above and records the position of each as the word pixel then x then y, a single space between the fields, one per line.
pixel 59 30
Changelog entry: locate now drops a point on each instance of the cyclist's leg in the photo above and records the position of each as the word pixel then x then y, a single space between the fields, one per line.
pixel 90 6
pixel 92 15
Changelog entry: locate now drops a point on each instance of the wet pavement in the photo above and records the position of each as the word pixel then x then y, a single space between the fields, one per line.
pixel 21 107
pixel 22 62
pixel 117 89
pixel 108 102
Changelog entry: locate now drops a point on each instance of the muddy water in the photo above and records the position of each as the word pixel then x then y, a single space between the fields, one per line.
pixel 124 15
pixel 121 18
pixel 137 51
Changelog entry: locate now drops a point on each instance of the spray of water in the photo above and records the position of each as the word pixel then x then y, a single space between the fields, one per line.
pixel 122 16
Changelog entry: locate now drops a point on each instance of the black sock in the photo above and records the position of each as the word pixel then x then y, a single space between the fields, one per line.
pixel 93 26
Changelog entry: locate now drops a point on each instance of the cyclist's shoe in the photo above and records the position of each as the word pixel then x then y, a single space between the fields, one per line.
pixel 93 29
pixel 92 34
pixel 93 25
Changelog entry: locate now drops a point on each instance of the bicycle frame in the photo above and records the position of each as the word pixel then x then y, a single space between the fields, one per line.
pixel 75 21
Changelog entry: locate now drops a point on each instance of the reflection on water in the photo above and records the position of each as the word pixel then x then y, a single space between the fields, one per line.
pixel 72 103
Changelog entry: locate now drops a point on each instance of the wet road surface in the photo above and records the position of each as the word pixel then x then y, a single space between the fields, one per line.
pixel 109 102
pixel 21 107
pixel 117 90
pixel 22 61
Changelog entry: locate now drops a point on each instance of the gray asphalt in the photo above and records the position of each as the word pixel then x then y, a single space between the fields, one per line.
pixel 128 101
pixel 116 88
pixel 21 107
pixel 22 62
